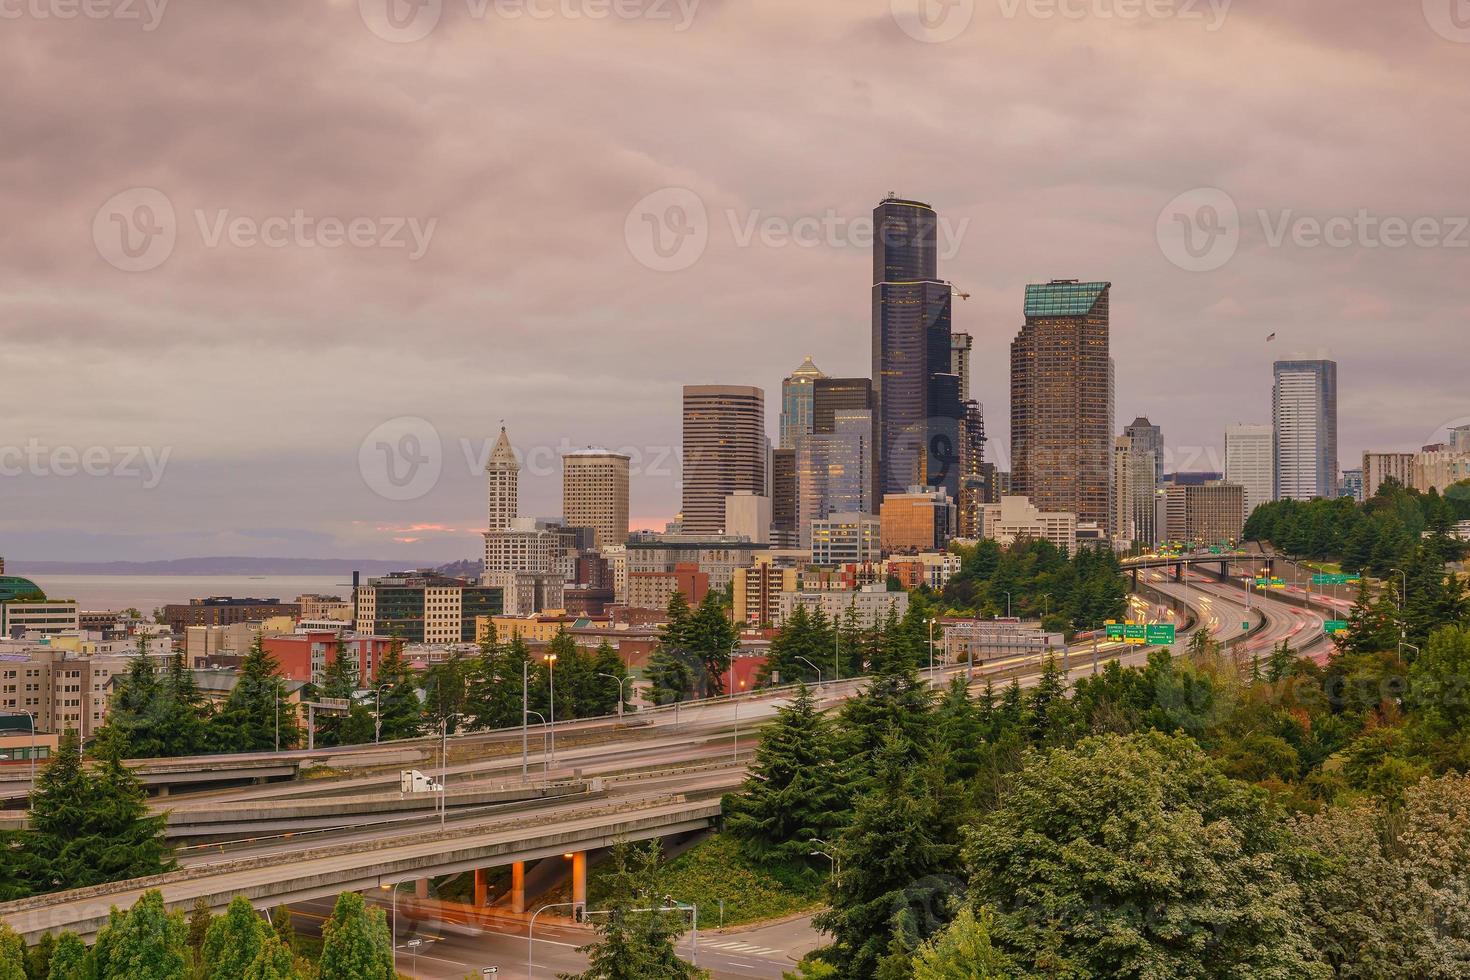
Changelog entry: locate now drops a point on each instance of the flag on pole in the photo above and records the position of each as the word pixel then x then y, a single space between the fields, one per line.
pixel 1270 338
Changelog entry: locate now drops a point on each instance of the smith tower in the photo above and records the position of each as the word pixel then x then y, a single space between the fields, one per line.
pixel 915 391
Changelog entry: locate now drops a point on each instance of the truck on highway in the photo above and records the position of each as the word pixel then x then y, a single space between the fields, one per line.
pixel 413 781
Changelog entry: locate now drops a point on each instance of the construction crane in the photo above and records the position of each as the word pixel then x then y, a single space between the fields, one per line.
pixel 956 290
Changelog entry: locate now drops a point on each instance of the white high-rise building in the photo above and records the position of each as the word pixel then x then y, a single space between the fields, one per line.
pixel 1250 461
pixel 504 484
pixel 1135 475
pixel 1304 415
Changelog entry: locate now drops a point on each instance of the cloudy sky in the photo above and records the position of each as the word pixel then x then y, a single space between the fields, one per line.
pixel 254 252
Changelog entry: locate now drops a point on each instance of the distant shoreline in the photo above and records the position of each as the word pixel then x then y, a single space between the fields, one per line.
pixel 233 566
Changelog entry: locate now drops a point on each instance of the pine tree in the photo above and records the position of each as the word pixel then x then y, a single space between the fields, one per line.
pixel 38 957
pixel 713 640
pixel 1047 707
pixel 631 944
pixel 401 713
pixel 1372 624
pixel 673 669
pixel 794 792
pixel 12 955
pixel 199 921
pixel 256 709
pixel 607 661
pixel 148 944
pixel 340 682
pixel 275 961
pixel 1279 665
pixel 960 729
pixel 69 961
pixel 138 703
pixel 890 860
pixel 355 942
pixel 233 941
pixel 182 714
pixel 444 695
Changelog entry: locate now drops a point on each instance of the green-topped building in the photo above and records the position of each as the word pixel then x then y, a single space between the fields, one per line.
pixel 1062 400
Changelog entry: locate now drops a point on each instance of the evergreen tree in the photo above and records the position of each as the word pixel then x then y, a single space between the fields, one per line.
pixel 794 791
pixel 182 715
pixel 274 961
pixel 69 961
pixel 281 924
pixel 713 640
pixel 1047 708
pixel 133 728
pixel 1372 624
pixel 340 682
pixel 1281 662
pixel 606 662
pixel 400 712
pixel 890 860
pixel 233 941
pixel 199 921
pixel 12 955
pixel 355 942
pixel 444 695
pixel 494 689
pixel 148 943
pixel 631 944
pixel 257 708
pixel 38 957
pixel 960 728
pixel 674 668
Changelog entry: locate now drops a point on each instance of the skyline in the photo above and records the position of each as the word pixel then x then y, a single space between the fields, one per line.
pixel 261 371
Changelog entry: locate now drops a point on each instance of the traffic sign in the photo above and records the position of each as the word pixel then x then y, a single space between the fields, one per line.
pixel 1325 579
pixel 1135 633
pixel 1160 635
pixel 1246 625
pixel 1335 626
pixel 1115 631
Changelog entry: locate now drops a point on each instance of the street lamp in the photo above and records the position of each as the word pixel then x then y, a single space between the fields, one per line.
pixel 545 764
pixel 813 667
pixel 531 934
pixel 550 659
pixel 621 681
pixel 931 622
pixel 393 889
pixel 835 860
pixel 1008 605
pixel 1404 595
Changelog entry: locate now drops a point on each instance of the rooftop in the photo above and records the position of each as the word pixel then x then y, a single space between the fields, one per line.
pixel 1063 297
pixel 13 587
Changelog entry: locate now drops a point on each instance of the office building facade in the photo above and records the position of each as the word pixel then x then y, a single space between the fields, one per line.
pixel 846 539
pixel 1304 418
pixel 1250 461
pixel 594 493
pixel 920 520
pixel 916 394
pixel 1061 400
pixel 1210 514
pixel 797 403
pixel 1017 519
pixel 724 451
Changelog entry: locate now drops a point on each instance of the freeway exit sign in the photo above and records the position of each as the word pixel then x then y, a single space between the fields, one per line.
pixel 1160 635
pixel 1115 631
pixel 1135 633
pixel 1271 583
pixel 1336 579
pixel 1335 626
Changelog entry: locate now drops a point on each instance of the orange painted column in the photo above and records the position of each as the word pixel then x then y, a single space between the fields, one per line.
pixel 482 889
pixel 421 888
pixel 579 877
pixel 518 887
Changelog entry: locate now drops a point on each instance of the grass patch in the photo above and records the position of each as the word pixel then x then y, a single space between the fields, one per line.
pixel 715 869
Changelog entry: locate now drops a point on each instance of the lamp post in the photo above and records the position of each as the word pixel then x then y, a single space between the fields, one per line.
pixel 545 763
pixel 1404 595
pixel 835 860
pixel 550 659
pixel 1008 605
pixel 813 667
pixel 931 622
pixel 276 691
pixel 620 682
pixel 525 716
pixel 393 904
pixel 531 934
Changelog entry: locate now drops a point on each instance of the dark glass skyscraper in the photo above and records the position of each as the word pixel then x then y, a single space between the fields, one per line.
pixel 918 401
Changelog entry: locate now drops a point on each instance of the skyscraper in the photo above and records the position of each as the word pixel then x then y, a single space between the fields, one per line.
pixel 1304 413
pixel 1148 438
pixel 916 393
pixel 834 470
pixel 1061 400
pixel 594 494
pixel 724 451
pixel 796 403
pixel 1250 461
pixel 959 361
pixel 1135 484
pixel 503 483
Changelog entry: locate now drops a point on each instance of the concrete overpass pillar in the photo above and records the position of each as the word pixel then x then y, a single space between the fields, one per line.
pixel 482 889
pixel 579 877
pixel 1179 572
pixel 518 887
pixel 1135 580
pixel 421 888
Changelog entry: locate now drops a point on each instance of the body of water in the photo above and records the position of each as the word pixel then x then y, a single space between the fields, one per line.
pixel 148 592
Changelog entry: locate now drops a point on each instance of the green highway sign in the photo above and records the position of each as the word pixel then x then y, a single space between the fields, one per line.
pixel 1246 625
pixel 1115 631
pixel 1160 635
pixel 1135 633
pixel 1271 583
pixel 1336 579
pixel 1335 626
